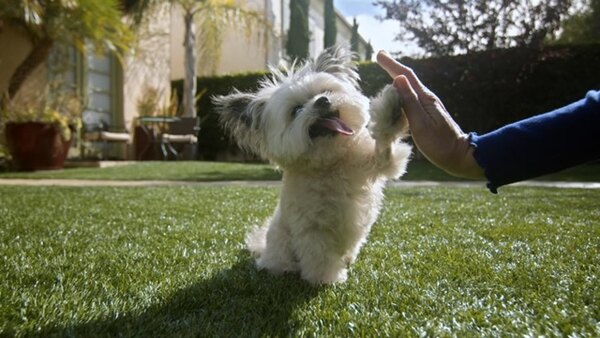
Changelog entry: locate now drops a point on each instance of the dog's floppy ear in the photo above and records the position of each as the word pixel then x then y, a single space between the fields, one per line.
pixel 337 60
pixel 241 115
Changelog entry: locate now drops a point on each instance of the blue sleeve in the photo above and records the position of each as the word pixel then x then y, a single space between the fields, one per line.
pixel 542 144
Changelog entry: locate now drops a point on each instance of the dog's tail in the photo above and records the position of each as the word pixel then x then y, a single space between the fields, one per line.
pixel 256 241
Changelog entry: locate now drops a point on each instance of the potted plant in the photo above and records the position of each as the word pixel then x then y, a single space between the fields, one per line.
pixel 44 25
pixel 39 131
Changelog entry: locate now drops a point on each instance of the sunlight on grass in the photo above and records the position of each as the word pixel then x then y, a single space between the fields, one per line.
pixel 418 170
pixel 170 261
pixel 182 171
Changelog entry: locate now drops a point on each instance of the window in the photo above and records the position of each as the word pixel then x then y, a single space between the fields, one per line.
pixel 94 76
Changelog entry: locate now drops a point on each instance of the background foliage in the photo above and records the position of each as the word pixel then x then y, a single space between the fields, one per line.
pixel 46 23
pixel 458 26
pixel 486 90
pixel 482 90
pixel 582 27
pixel 213 139
pixel 330 27
pixel 298 37
pixel 354 39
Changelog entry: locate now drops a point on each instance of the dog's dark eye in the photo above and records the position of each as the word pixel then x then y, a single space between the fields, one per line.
pixel 296 110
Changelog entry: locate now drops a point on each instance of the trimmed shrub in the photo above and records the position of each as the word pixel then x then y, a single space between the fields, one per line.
pixel 482 91
pixel 213 140
pixel 486 90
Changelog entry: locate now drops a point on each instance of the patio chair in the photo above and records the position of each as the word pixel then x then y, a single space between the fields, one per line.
pixel 182 135
pixel 100 133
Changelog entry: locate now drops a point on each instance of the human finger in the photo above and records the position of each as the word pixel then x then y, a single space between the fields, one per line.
pixel 412 105
pixel 395 68
pixel 391 66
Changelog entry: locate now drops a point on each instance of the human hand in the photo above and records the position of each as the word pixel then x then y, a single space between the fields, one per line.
pixel 435 133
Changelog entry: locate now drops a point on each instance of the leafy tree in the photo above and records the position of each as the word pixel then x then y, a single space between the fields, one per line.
pixel 443 27
pixel 354 39
pixel 298 34
pixel 369 52
pixel 330 27
pixel 583 26
pixel 77 22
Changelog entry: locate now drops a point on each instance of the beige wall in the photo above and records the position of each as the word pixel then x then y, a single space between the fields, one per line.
pixel 239 53
pixel 14 47
pixel 148 65
pixel 264 47
pixel 247 51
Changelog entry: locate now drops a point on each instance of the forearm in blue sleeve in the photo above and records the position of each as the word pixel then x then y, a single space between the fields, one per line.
pixel 542 144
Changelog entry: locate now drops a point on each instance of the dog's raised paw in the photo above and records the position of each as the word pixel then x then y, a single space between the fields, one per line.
pixel 388 120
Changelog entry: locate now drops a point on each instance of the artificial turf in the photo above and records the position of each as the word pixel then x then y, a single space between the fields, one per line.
pixel 153 170
pixel 418 170
pixel 170 261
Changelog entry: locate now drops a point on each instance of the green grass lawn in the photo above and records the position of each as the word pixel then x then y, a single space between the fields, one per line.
pixel 418 170
pixel 169 261
pixel 181 171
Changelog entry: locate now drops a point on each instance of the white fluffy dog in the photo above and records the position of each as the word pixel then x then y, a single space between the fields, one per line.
pixel 336 150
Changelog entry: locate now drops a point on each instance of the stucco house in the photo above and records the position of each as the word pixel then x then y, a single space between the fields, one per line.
pixel 113 87
pixel 263 46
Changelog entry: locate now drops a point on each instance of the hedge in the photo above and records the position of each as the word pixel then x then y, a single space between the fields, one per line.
pixel 212 140
pixel 482 91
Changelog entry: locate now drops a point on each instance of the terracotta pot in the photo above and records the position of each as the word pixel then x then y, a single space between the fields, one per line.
pixel 36 146
pixel 145 142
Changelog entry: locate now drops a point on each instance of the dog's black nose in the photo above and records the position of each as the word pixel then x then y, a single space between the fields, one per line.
pixel 323 102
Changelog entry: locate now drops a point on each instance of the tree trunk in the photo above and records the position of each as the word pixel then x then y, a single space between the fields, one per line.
pixel 38 55
pixel 189 84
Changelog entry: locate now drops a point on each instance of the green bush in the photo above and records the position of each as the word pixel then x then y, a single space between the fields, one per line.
pixel 213 140
pixel 483 91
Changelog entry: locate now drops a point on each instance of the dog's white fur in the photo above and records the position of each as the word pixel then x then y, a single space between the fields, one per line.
pixel 332 183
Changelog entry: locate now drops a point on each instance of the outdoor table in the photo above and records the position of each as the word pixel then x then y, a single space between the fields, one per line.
pixel 154 127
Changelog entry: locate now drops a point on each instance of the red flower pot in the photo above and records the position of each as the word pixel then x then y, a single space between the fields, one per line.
pixel 36 146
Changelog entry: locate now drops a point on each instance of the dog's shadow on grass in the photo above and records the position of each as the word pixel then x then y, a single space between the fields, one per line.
pixel 238 301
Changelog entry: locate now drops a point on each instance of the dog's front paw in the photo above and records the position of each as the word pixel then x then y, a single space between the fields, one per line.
pixel 323 277
pixel 388 121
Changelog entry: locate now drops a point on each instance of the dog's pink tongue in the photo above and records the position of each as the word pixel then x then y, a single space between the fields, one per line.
pixel 337 125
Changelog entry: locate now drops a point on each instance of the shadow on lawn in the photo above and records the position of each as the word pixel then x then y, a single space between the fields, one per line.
pixel 238 301
pixel 265 174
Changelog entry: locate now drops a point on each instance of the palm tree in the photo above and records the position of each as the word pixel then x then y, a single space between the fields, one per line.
pixel 210 16
pixel 78 22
